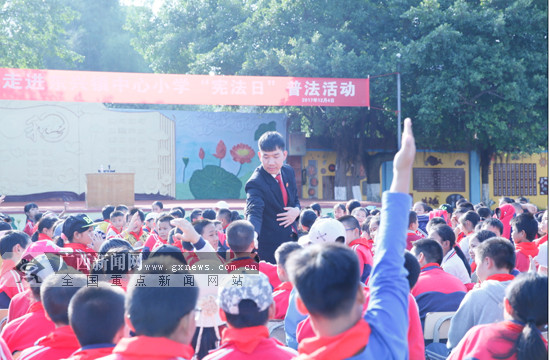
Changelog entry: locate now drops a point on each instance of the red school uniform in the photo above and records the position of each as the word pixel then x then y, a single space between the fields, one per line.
pixel 59 344
pixel 412 237
pixel 523 251
pixel 81 258
pixel 270 271
pixel 22 333
pixel 415 334
pixel 486 341
pixel 154 241
pixel 280 297
pixel 148 348
pixel 11 282
pixel 28 229
pixel 363 249
pixel 20 304
pixel 250 343
pixel 5 353
pixel 541 240
pixel 92 352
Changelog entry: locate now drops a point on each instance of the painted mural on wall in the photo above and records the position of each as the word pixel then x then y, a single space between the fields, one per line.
pixel 216 151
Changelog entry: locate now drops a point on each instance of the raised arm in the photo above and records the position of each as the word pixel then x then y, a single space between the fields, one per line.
pixel 387 312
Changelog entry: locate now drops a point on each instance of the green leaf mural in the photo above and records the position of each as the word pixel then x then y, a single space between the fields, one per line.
pixel 213 182
pixel 265 127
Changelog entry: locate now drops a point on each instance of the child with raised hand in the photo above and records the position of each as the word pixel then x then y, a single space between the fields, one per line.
pixel 331 291
pixel 518 336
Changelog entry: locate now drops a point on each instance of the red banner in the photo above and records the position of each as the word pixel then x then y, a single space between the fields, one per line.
pixel 108 87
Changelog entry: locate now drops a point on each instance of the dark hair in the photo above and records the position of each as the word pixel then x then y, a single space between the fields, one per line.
pixel 308 217
pixel 317 208
pixel 528 297
pixel 170 303
pixel 507 200
pixel 115 243
pixel 56 297
pixel 500 250
pixel 446 233
pixel 37 217
pixel 177 214
pixel 432 250
pixel 484 212
pixel 271 141
pixel 115 214
pixel 225 214
pixel 425 206
pixel 235 215
pixel 483 235
pixel 341 206
pixel 180 209
pixel 45 223
pixel 96 314
pixel 460 200
pixel 168 250
pixel 284 250
pixel 115 261
pixel 526 222
pixel 470 216
pixel 522 200
pixel 199 225
pixel 352 204
pixel 413 268
pixel 240 234
pixel 366 225
pixel 435 221
pixel 249 315
pixel 28 208
pixel 10 239
pixel 195 214
pixel 165 218
pixel 121 207
pixel 106 211
pixel 326 277
pixel 209 214
pixel 466 205
pixel 136 210
pixel 494 222
pixel 412 217
pixel 159 204
pixel 375 212
pixel 350 222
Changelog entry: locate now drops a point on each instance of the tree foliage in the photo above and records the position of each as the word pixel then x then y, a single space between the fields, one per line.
pixel 32 31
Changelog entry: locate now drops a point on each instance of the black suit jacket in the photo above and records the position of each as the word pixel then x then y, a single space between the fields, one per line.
pixel 263 202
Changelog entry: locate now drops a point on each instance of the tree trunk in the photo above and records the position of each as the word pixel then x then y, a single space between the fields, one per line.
pixel 347 187
pixel 372 165
pixel 485 159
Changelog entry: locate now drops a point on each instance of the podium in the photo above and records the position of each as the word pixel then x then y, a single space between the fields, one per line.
pixel 109 188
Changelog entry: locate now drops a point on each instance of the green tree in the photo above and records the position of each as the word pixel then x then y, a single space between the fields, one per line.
pixel 477 76
pixel 32 31
pixel 98 35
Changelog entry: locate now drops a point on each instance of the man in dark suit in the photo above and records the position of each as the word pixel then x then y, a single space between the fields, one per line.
pixel 272 204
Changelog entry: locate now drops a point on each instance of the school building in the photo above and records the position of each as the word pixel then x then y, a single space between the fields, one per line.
pixel 56 148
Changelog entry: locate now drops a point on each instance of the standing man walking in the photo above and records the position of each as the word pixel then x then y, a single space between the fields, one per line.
pixel 272 204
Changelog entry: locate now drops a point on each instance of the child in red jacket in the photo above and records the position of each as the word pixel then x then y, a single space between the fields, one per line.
pixel 524 230
pixel 282 292
pixel 518 336
pixel 61 342
pixel 247 307
pixel 96 315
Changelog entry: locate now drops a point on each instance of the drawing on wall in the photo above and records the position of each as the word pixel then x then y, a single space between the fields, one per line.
pixel 217 151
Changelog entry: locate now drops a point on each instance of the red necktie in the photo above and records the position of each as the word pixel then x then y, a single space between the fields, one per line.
pixel 283 189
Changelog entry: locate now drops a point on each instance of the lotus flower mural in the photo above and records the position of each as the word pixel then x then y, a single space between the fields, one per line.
pixel 214 182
